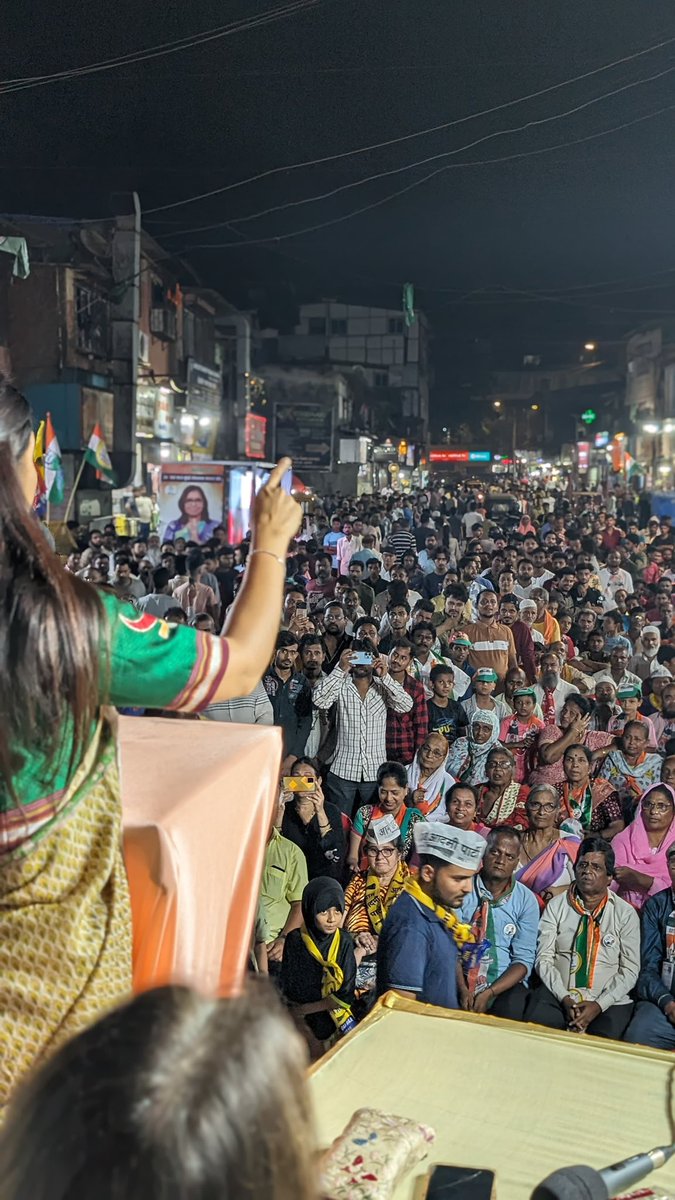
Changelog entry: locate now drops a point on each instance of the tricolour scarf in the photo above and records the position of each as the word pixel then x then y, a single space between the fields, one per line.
pixel 587 941
pixel 580 807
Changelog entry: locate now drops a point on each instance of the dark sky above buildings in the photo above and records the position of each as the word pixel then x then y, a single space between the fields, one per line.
pixel 510 255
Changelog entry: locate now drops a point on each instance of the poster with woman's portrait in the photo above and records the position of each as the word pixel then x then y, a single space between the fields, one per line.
pixel 190 501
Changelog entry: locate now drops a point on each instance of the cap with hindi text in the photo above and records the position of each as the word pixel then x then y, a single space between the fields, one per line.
pixel 458 847
pixel 383 830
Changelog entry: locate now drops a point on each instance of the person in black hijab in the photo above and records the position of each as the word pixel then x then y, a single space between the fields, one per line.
pixel 318 972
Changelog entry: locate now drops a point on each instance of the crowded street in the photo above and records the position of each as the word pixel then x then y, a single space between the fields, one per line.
pixel 337 602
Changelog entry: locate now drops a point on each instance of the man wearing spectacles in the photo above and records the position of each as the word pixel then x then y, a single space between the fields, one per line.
pixel 588 952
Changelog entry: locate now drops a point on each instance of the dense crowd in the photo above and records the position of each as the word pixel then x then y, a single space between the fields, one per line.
pixel 478 714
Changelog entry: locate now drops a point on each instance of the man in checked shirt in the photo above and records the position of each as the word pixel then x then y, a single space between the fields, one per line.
pixel 362 694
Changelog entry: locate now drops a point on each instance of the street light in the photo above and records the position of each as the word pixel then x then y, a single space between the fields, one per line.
pixel 651 427
pixel 496 403
pixel 534 407
pixel 590 346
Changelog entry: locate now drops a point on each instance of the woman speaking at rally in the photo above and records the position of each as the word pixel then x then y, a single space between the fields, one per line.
pixel 66 651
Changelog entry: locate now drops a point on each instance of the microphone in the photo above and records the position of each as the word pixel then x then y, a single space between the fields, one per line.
pixel 583 1183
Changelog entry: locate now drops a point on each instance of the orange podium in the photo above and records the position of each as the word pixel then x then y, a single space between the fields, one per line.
pixel 197 802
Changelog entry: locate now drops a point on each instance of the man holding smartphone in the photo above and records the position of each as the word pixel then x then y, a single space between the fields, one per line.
pixel 363 691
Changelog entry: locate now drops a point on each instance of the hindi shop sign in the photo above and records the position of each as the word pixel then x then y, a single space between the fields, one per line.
pixel 305 433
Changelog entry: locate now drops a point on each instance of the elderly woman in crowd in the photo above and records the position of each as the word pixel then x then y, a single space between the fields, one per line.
pixel 461 805
pixel 574 729
pixel 428 778
pixel 641 850
pixel 631 768
pixel 501 800
pixel 547 854
pixel 392 800
pixel 594 804
pixel 467 760
pixel 371 893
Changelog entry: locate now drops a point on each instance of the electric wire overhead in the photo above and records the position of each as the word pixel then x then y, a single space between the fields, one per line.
pixel 315 162
pixel 497 133
pixel 282 237
pixel 21 83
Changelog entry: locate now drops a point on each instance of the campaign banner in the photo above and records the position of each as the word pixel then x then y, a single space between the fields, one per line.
pixel 190 499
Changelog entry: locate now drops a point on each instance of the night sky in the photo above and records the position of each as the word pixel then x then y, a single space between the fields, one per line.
pixel 476 241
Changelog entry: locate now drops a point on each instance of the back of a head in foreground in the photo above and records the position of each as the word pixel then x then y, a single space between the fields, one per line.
pixel 172 1097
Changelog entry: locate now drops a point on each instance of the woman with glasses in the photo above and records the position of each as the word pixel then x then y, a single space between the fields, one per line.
pixel 641 850
pixel 370 895
pixel 593 805
pixel 428 778
pixel 547 854
pixel 393 801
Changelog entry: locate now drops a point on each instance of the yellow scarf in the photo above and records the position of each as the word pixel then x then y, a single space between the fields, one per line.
pixel 460 932
pixel 333 975
pixel 377 904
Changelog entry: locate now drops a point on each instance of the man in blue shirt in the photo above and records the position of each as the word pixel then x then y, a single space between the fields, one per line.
pixel 653 1022
pixel 417 953
pixel 506 914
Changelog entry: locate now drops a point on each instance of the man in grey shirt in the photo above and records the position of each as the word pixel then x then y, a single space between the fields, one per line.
pixel 157 602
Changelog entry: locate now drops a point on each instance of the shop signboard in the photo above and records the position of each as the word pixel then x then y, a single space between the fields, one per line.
pixel 583 455
pixel 255 432
pixel 97 408
pixel 204 386
pixel 305 433
pixel 440 454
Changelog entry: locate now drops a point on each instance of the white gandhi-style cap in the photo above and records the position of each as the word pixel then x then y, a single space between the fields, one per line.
pixel 383 830
pixel 459 847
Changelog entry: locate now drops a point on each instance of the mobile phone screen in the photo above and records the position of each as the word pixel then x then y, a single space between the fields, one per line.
pixel 286 481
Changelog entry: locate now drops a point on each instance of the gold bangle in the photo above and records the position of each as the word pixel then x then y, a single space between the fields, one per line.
pixel 281 561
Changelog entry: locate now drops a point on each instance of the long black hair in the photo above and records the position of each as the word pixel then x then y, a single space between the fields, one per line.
pixel 194 487
pixel 51 625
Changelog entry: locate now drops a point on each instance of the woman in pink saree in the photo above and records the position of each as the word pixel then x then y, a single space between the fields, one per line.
pixel 641 850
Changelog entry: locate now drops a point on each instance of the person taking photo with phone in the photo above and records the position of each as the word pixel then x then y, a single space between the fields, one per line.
pixel 312 822
pixel 363 691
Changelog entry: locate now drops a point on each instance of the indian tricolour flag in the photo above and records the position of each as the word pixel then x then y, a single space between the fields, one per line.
pixel 97 456
pixel 54 485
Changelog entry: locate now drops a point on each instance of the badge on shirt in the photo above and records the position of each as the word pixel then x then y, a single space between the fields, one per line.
pixel 608 939
pixel 510 930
